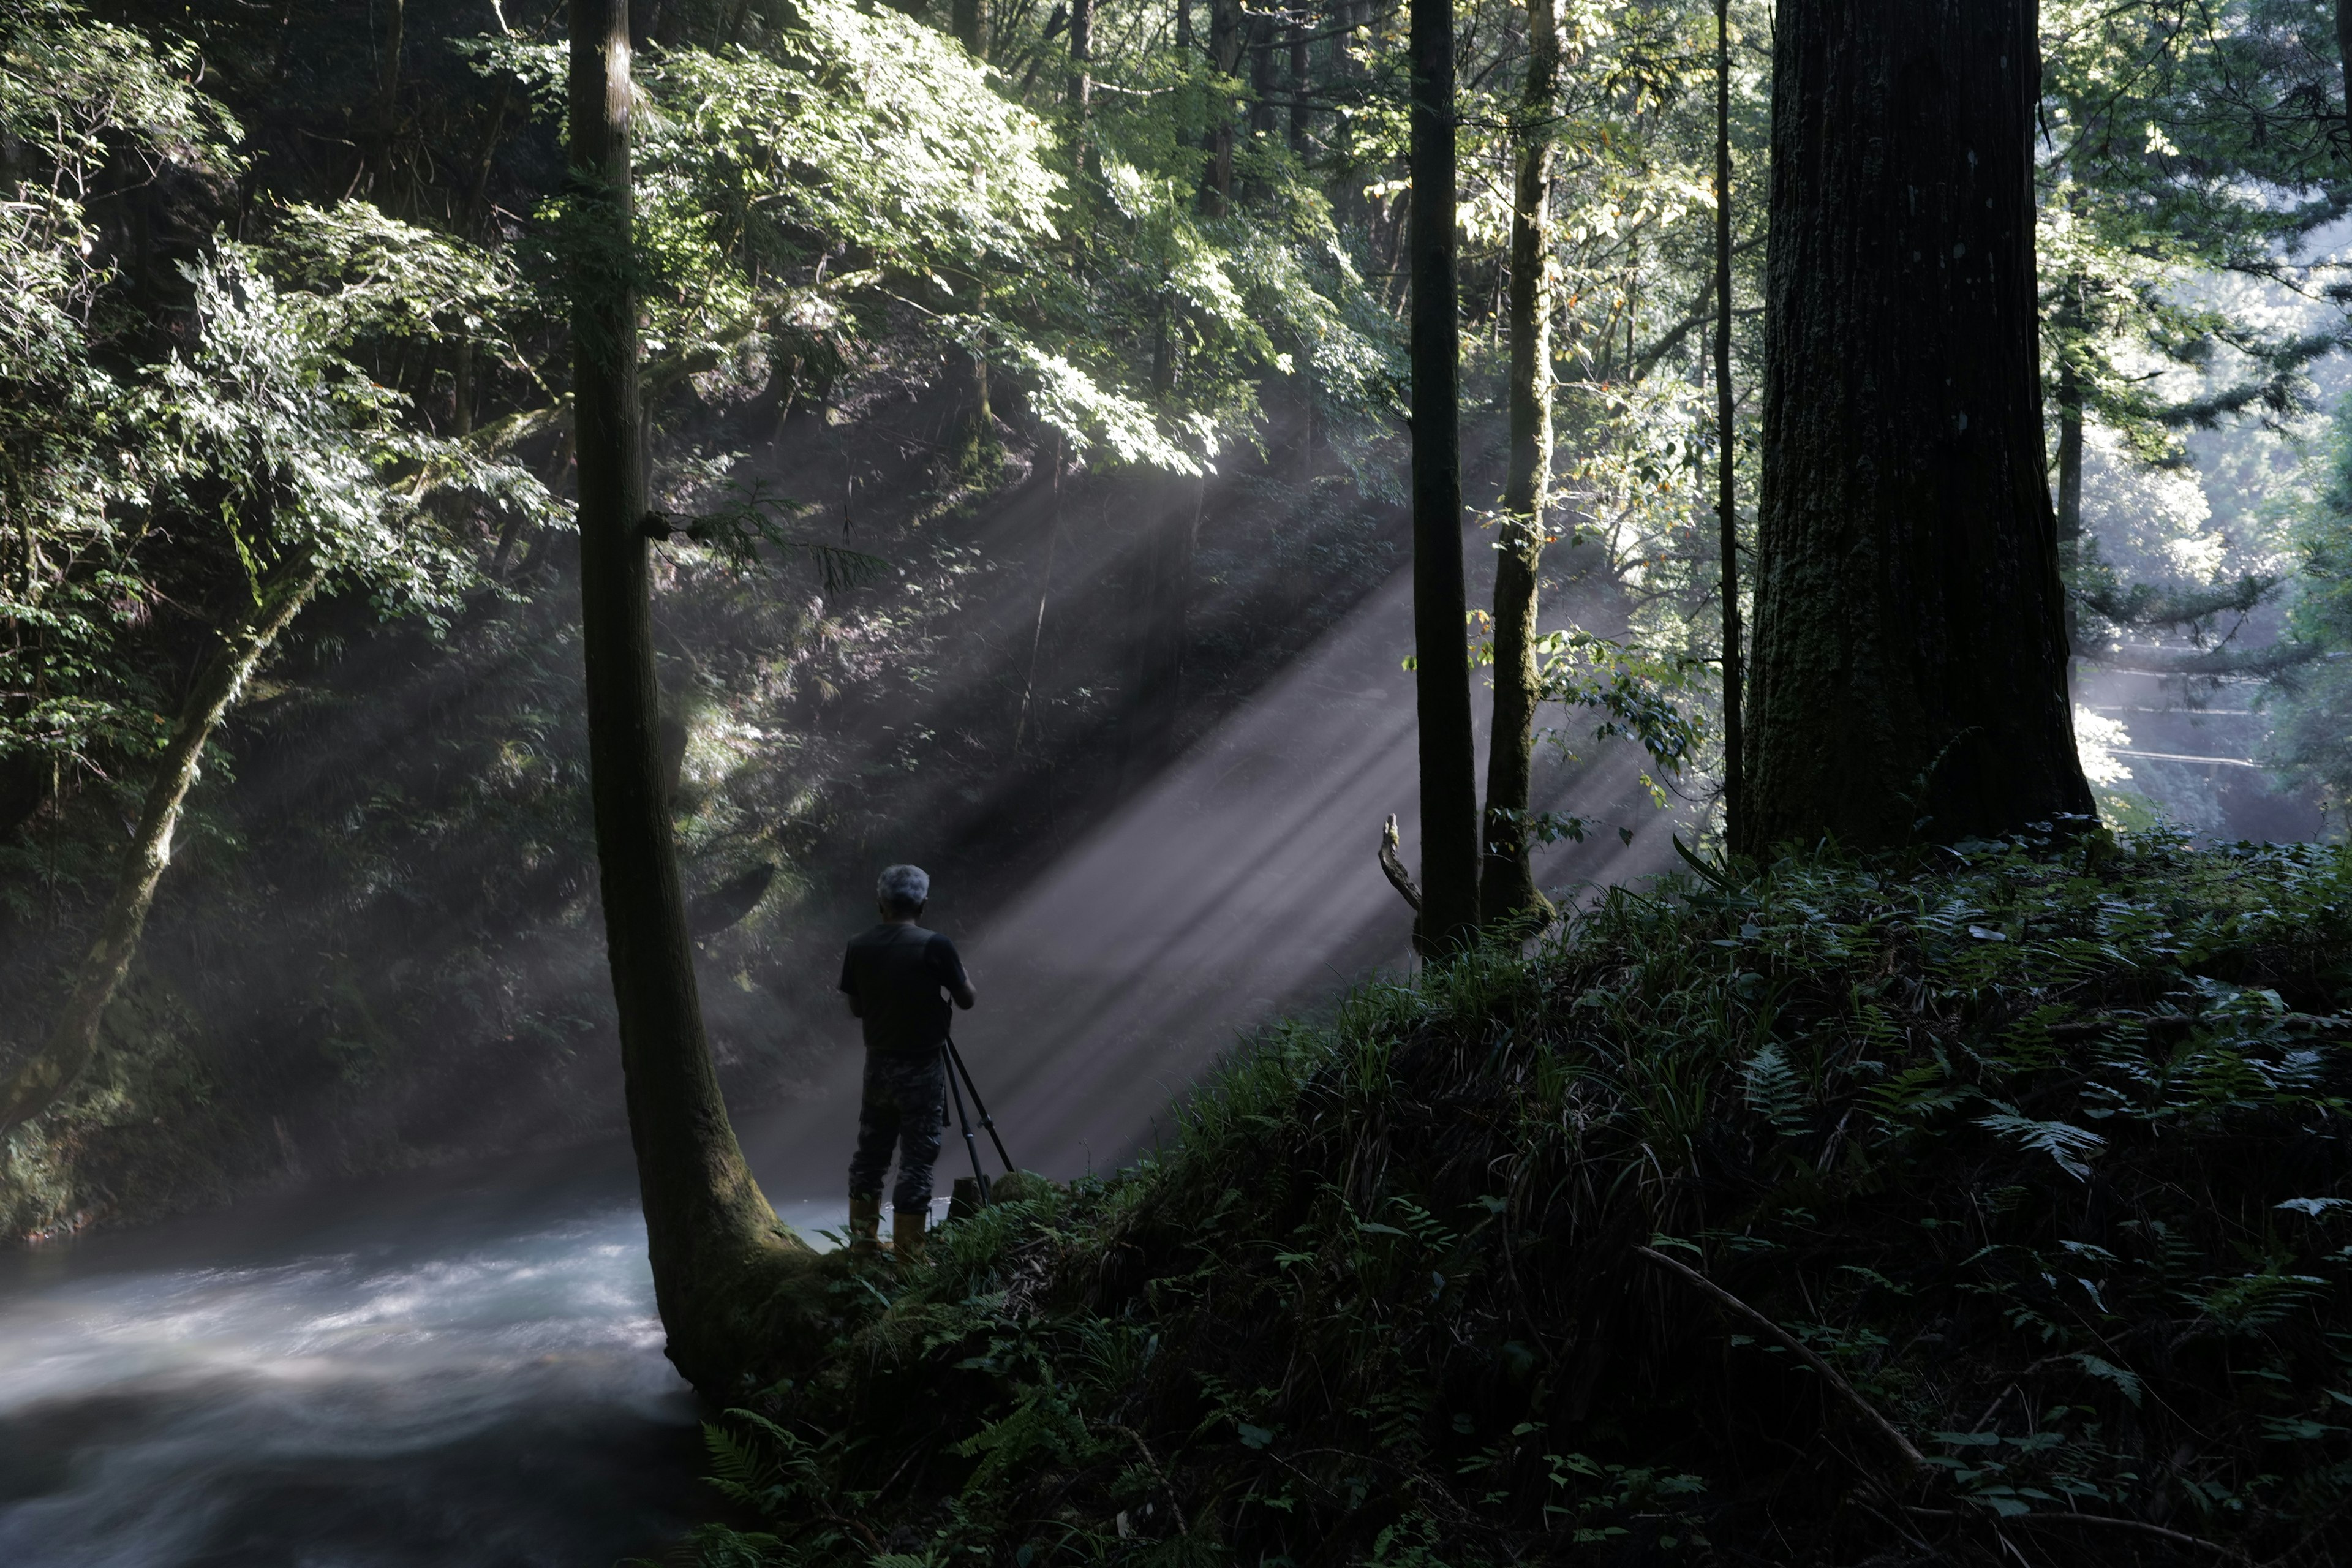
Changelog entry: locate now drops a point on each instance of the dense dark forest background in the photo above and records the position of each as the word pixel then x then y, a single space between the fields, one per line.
pixel 1026 385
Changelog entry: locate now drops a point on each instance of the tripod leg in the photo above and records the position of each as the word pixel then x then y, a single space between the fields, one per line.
pixel 972 1144
pixel 955 1059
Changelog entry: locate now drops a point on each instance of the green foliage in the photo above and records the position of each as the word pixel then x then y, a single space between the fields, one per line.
pixel 2040 1146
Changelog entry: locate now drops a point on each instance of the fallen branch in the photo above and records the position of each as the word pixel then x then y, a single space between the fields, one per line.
pixel 1398 877
pixel 1915 1461
pixel 2106 1519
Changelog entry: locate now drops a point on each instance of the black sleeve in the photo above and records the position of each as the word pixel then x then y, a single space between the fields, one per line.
pixel 848 982
pixel 945 964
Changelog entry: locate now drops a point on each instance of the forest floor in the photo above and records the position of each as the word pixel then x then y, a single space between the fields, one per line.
pixel 1976 1205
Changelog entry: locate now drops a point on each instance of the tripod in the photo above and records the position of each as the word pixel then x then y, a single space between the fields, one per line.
pixel 956 1069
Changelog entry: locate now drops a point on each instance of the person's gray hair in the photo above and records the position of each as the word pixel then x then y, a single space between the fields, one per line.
pixel 903 887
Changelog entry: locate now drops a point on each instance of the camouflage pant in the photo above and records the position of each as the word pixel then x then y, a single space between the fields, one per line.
pixel 905 1092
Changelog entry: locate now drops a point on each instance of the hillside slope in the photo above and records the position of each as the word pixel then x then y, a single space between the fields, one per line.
pixel 1985 1208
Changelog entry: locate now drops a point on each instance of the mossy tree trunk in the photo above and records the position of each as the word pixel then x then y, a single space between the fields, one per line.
pixel 733 1284
pixel 1908 671
pixel 73 1041
pixel 1507 886
pixel 1449 769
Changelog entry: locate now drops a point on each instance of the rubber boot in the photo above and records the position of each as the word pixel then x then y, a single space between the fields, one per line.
pixel 864 1225
pixel 907 1233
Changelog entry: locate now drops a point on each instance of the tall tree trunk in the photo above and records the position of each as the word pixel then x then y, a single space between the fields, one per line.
pixel 1909 658
pixel 969 20
pixel 1449 769
pixel 1726 498
pixel 387 107
pixel 979 459
pixel 1162 607
pixel 220 680
pixel 1224 55
pixel 1082 54
pixel 1299 88
pixel 1264 112
pixel 2344 55
pixel 725 1269
pixel 2070 459
pixel 1507 886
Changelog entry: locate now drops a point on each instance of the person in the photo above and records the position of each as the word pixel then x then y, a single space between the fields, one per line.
pixel 900 979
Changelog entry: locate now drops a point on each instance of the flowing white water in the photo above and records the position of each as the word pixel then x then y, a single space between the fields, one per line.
pixel 483 1389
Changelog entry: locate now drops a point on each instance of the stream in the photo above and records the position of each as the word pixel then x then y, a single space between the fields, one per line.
pixel 458 1372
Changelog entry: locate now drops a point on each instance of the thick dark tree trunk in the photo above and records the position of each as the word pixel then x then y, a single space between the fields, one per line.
pixel 970 21
pixel 220 680
pixel 1507 886
pixel 1908 676
pixel 1449 770
pixel 733 1284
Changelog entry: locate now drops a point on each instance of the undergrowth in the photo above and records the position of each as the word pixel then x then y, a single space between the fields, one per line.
pixel 1988 1207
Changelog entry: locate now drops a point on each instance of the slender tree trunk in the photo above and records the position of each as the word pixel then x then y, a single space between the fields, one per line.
pixel 1163 604
pixel 1224 55
pixel 37 1084
pixel 1507 886
pixel 387 108
pixel 1263 115
pixel 726 1272
pixel 2344 55
pixel 1726 502
pixel 2070 460
pixel 1300 86
pixel 1082 54
pixel 1909 660
pixel 1161 597
pixel 1449 769
pixel 979 459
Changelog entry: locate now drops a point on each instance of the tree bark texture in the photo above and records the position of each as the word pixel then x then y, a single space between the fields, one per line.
pixel 36 1085
pixel 1726 493
pixel 1909 674
pixel 1449 770
pixel 1507 886
pixel 731 1281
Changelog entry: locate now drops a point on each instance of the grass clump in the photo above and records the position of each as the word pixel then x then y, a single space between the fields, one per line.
pixel 1985 1208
